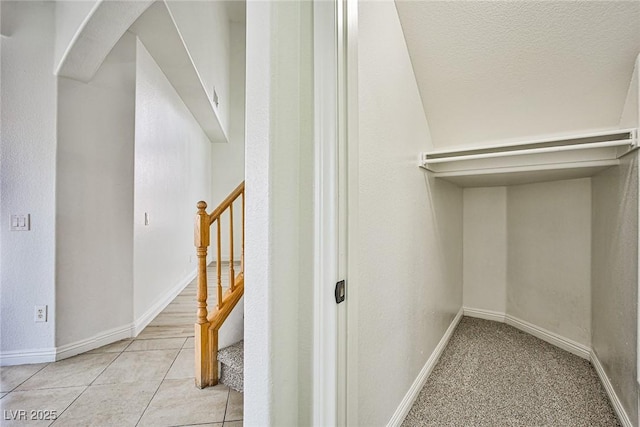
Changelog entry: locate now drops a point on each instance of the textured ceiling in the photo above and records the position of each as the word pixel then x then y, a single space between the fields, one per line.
pixel 503 70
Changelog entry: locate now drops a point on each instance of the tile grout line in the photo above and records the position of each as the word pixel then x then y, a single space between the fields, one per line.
pixel 198 424
pixel 226 406
pixel 106 367
pixel 157 389
pixel 185 343
pixel 149 339
pixel 127 346
pixel 87 387
pixel 27 379
pixel 44 388
pixel 69 405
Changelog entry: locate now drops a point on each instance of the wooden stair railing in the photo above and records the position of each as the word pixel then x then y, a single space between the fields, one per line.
pixel 208 324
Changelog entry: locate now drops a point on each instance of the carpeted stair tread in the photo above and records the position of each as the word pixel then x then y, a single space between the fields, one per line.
pixel 233 355
pixel 232 366
pixel 232 378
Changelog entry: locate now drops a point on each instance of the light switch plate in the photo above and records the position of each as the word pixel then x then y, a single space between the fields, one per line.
pixel 20 222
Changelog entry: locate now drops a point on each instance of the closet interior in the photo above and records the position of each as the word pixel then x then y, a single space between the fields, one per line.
pixel 550 239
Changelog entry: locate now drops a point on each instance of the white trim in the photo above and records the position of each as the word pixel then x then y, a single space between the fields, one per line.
pixel 613 397
pixel 352 110
pixel 126 331
pixel 497 145
pixel 96 341
pixel 325 318
pixel 511 153
pixel 553 338
pixel 143 321
pixel 342 186
pixel 479 313
pixel 24 357
pixel 414 390
pixel 571 346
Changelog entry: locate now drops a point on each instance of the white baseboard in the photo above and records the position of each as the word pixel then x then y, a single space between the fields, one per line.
pixel 23 357
pixel 144 320
pixel 571 346
pixel 126 331
pixel 96 341
pixel 412 394
pixel 559 341
pixel 496 316
pixel 26 357
pixel 613 397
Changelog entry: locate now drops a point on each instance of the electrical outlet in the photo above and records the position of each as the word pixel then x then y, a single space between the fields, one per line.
pixel 41 313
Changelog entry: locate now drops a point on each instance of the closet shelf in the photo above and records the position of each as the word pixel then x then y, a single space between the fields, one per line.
pixel 550 159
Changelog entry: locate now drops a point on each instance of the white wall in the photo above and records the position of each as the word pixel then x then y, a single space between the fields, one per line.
pixel 173 171
pixel 549 257
pixel 527 254
pixel 614 292
pixel 485 248
pixel 27 171
pixel 227 160
pixel 279 151
pixel 94 209
pixel 409 267
pixel 630 116
pixel 172 156
pixel 228 166
pixel 258 408
pixel 227 171
pixel 204 27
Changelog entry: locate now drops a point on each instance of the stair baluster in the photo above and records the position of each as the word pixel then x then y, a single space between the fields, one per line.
pixel 208 324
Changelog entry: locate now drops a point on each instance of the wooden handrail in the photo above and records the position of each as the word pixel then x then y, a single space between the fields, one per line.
pixel 239 190
pixel 208 324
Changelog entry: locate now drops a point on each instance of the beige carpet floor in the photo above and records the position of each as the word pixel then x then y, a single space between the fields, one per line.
pixel 492 374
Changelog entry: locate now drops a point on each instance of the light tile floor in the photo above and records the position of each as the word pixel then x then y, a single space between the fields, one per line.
pixel 147 381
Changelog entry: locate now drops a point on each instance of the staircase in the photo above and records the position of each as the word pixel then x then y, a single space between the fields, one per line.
pixel 208 324
pixel 232 366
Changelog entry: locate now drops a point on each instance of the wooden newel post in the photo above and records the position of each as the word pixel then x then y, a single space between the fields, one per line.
pixel 202 352
pixel 201 236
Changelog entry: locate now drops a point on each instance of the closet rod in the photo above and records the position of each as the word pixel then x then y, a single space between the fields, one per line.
pixel 619 143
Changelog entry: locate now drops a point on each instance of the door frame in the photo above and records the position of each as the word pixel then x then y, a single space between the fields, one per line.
pixel 325 321
pixel 335 175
